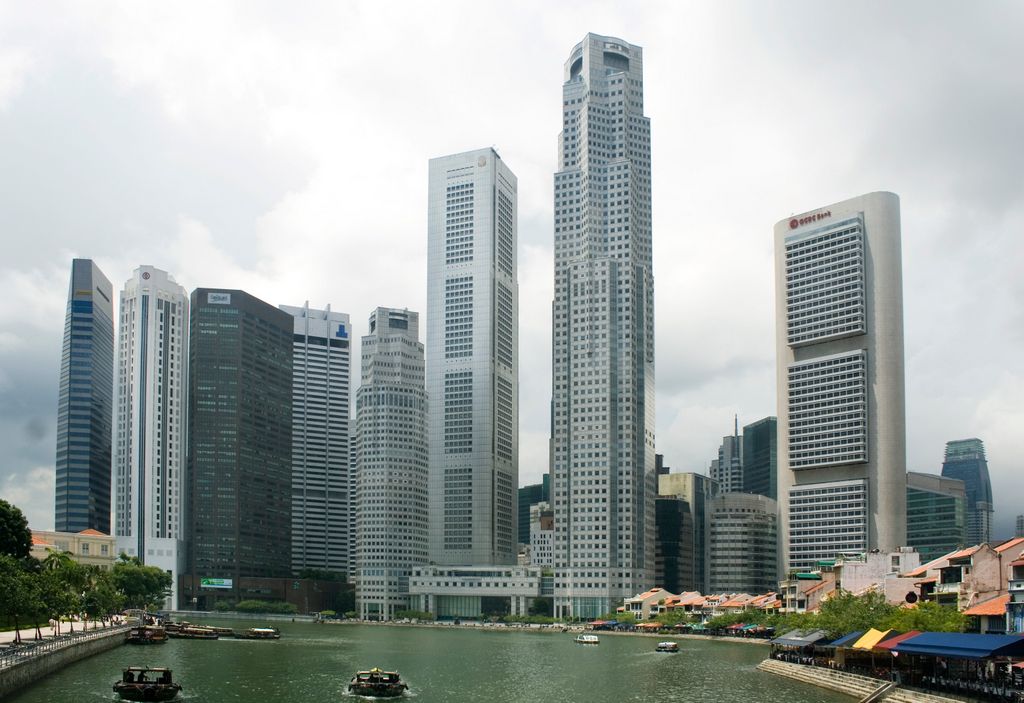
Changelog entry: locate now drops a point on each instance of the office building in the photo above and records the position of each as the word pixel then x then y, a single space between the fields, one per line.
pixel 674 565
pixel 392 494
pixel 473 359
pixel 85 403
pixel 659 465
pixel 542 535
pixel 727 468
pixel 322 480
pixel 965 460
pixel 697 490
pixel 760 457
pixel 839 331
pixel 1020 526
pixel 529 496
pixel 742 539
pixel 240 444
pixel 149 439
pixel 604 482
pixel 936 514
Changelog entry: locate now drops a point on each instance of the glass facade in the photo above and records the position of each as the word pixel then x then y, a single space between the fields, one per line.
pixel 965 460
pixel 936 515
pixel 85 404
pixel 760 457
pixel 531 495
pixel 240 438
pixel 674 567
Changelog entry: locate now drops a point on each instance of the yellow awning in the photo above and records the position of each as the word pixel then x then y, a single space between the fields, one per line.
pixel 870 638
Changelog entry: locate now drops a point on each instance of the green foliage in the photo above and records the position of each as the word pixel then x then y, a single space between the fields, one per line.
pixel 328 613
pixel 844 612
pixel 531 619
pixel 414 615
pixel 266 606
pixel 541 606
pixel 322 575
pixel 19 592
pixel 15 537
pixel 224 606
pixel 351 614
pixel 671 618
pixel 142 586
pixel 625 616
pixel 102 597
pixel 928 616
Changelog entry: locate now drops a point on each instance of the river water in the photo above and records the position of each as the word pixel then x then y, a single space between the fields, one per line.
pixel 313 663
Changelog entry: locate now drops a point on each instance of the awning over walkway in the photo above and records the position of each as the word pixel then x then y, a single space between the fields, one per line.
pixel 893 641
pixel 846 640
pixel 959 645
pixel 870 638
pixel 799 638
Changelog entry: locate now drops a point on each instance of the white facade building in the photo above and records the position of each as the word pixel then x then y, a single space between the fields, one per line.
pixel 465 591
pixel 727 469
pixel 391 464
pixel 604 483
pixel 839 329
pixel 542 535
pixel 473 359
pixel 149 430
pixel 322 480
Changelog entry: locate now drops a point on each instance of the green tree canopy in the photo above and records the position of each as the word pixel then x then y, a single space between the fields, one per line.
pixel 844 612
pixel 928 616
pixel 15 537
pixel 142 586
pixel 19 593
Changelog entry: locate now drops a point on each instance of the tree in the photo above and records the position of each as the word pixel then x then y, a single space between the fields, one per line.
pixel 15 537
pixel 142 586
pixel 19 594
pixel 845 612
pixel 927 616
pixel 101 597
pixel 541 606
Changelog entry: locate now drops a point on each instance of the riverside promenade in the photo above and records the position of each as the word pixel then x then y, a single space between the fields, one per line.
pixel 863 688
pixel 25 663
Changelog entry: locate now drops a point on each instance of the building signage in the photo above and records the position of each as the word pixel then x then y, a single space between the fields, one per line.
pixel 807 219
pixel 215 583
pixel 218 298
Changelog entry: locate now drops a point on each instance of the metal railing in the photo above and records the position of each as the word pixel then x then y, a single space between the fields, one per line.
pixel 13 654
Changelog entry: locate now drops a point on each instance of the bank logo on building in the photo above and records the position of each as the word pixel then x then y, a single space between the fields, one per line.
pixel 342 333
pixel 218 298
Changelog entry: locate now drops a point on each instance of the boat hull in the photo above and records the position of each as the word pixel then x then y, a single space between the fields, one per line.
pixel 146 691
pixel 377 690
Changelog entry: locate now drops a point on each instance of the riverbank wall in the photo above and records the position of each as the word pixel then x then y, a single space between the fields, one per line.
pixel 193 615
pixel 853 685
pixel 25 666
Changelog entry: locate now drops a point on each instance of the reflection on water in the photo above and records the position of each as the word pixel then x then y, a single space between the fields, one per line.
pixel 313 663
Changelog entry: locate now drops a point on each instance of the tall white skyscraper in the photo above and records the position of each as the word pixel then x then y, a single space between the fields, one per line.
pixel 391 464
pixel 603 334
pixel 727 469
pixel 839 341
pixel 149 432
pixel 473 359
pixel 321 477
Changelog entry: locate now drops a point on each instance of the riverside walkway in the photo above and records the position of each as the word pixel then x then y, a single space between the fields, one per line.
pixel 21 664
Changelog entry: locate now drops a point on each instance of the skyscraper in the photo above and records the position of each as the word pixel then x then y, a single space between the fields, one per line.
pixel 936 514
pixel 839 332
pixel 322 480
pixel 965 460
pixel 240 442
pixel 697 490
pixel 149 446
pixel 531 495
pixel 742 544
pixel 727 469
pixel 391 465
pixel 85 403
pixel 760 457
pixel 674 566
pixel 604 483
pixel 473 359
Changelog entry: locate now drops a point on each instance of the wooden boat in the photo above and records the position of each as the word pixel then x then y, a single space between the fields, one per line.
pixel 667 647
pixel 194 632
pixel 144 683
pixel 377 683
pixel 587 639
pixel 146 634
pixel 259 633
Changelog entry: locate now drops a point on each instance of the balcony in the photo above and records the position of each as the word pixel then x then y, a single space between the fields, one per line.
pixel 953 587
pixel 1017 586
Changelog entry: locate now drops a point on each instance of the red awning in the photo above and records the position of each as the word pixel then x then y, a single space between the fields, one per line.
pixel 893 641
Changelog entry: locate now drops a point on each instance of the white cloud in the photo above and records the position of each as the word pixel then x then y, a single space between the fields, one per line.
pixel 32 491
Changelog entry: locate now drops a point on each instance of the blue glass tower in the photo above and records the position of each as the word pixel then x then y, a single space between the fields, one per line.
pixel 965 460
pixel 85 403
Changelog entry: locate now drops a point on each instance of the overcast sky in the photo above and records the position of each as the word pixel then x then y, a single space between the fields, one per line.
pixel 282 148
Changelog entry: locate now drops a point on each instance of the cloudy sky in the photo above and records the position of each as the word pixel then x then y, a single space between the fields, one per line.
pixel 282 148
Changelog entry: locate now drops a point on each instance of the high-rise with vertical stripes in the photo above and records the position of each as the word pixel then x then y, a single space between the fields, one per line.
pixel 149 436
pixel 473 359
pixel 321 473
pixel 604 485
pixel 85 403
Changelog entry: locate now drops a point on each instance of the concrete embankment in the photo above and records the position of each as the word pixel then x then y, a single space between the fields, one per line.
pixel 35 662
pixel 853 685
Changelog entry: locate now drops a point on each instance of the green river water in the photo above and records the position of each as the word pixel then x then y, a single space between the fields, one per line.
pixel 313 663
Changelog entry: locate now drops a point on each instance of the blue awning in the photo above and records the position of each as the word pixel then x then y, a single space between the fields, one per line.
pixel 846 640
pixel 959 645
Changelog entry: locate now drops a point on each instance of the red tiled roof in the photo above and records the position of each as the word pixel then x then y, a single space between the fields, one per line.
pixel 1019 562
pixel 41 542
pixel 93 533
pixel 930 579
pixel 964 552
pixel 1010 544
pixel 993 606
